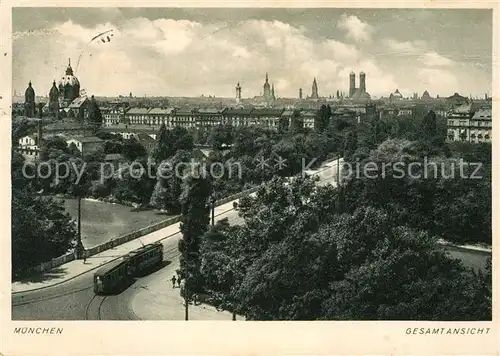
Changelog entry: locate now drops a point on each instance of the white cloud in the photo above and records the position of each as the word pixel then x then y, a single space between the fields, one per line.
pixel 405 47
pixel 438 80
pixel 167 57
pixel 433 59
pixel 356 29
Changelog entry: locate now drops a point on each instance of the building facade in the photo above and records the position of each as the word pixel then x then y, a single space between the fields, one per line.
pixel 86 145
pixel 465 124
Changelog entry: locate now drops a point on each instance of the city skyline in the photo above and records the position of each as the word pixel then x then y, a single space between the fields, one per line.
pixel 192 52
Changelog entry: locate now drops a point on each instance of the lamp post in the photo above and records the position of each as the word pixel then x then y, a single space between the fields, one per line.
pixel 79 244
pixel 184 295
pixel 212 205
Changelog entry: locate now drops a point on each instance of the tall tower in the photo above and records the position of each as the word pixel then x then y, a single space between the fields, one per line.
pixel 272 92
pixel 352 84
pixel 314 91
pixel 267 89
pixel 29 101
pixel 54 100
pixel 362 82
pixel 238 93
pixel 300 93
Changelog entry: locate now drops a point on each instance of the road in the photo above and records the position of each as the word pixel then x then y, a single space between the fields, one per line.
pixel 146 297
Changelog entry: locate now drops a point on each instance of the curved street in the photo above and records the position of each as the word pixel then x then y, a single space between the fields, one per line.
pixel 148 298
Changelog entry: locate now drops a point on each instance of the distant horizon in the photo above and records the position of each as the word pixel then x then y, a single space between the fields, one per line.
pixel 189 52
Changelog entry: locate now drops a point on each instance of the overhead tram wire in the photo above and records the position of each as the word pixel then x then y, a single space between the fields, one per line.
pixel 103 36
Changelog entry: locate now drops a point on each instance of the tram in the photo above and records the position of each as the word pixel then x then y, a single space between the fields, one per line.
pixel 117 273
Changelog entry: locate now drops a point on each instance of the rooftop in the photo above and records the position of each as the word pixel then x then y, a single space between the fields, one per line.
pixel 237 111
pixel 87 139
pixel 267 112
pixel 137 111
pixel 160 111
pixel 482 114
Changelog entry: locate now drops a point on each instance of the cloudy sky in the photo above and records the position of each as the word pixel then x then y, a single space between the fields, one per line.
pixel 190 52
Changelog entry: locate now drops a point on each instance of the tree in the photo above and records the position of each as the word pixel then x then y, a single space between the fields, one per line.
pixel 53 148
pixel 194 224
pixel 350 144
pixel 20 128
pixel 220 136
pixel 136 184
pixel 404 276
pixel 41 230
pixel 132 149
pixel 94 116
pixel 323 118
pixel 429 126
pixel 162 150
pixel 168 187
pixel 297 124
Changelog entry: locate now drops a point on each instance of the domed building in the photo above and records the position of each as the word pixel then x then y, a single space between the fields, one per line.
pixel 29 101
pixel 396 95
pixel 426 96
pixel 69 86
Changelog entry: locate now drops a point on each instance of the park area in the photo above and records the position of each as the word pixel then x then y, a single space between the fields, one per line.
pixel 102 221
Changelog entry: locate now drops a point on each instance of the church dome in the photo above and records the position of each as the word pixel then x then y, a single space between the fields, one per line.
pixel 69 78
pixel 69 86
pixel 397 94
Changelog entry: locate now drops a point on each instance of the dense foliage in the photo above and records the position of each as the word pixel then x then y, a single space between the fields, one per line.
pixel 295 258
pixel 41 229
pixel 194 224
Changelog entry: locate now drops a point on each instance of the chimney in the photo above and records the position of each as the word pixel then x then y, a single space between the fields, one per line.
pixel 300 93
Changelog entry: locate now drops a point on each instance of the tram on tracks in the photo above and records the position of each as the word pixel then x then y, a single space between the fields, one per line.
pixel 119 272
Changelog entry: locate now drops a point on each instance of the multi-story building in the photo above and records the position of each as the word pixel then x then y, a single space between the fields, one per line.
pixel 237 116
pixel 157 116
pixel 29 146
pixel 136 116
pixel 480 126
pixel 208 117
pixel 467 124
pixel 266 118
pixel 308 119
pixel 113 115
pixel 185 118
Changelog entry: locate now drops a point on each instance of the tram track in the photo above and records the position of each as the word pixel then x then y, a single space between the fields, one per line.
pixel 88 313
pixel 55 296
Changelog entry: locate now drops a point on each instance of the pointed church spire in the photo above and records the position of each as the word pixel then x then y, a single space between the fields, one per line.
pixel 267 78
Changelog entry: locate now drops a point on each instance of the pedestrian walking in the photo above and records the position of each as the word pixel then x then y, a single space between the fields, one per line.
pixel 173 281
pixel 195 299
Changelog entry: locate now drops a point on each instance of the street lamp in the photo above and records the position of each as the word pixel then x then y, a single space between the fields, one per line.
pixel 79 245
pixel 212 205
